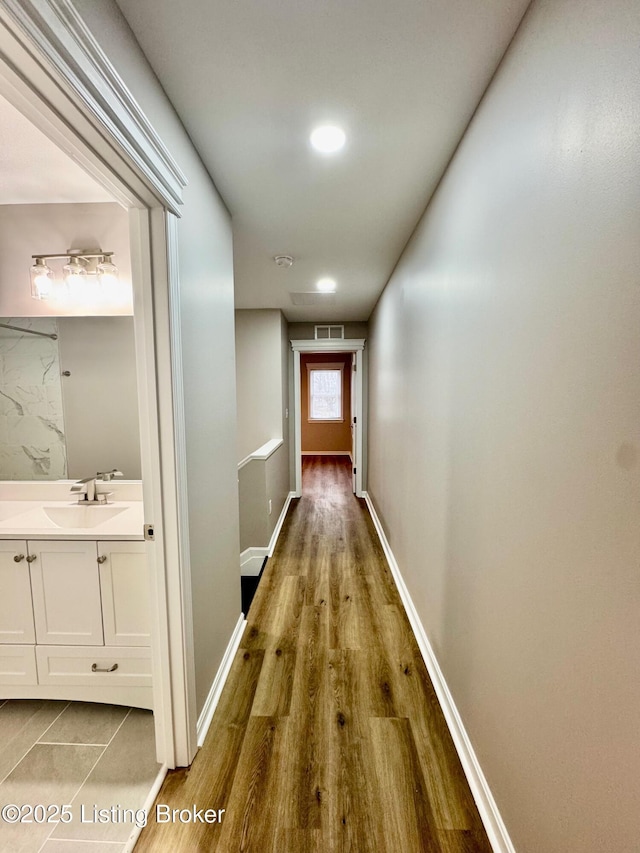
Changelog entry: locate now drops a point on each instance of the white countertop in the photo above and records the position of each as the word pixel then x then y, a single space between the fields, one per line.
pixel 56 519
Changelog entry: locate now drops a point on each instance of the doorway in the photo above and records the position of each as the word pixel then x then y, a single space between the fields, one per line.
pixel 105 133
pixel 335 426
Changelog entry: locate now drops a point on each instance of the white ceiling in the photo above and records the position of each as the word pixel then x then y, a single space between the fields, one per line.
pixel 251 78
pixel 33 170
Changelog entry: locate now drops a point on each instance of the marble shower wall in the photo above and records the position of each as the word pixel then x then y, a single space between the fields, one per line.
pixel 32 438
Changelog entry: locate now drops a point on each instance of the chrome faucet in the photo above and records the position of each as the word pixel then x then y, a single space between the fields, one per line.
pixel 88 489
pixel 107 476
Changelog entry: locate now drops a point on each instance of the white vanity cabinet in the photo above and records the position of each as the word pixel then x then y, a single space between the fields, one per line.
pixel 124 583
pixel 16 609
pixel 17 631
pixel 65 585
pixel 74 621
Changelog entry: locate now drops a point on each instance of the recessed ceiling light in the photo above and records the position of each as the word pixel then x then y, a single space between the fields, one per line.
pixel 328 138
pixel 326 285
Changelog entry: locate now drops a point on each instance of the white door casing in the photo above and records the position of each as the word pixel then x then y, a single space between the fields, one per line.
pixel 355 346
pixel 56 74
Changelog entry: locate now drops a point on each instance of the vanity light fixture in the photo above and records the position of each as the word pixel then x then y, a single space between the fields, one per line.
pixel 86 270
pixel 41 279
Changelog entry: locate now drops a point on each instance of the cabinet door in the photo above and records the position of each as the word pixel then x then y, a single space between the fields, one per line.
pixel 16 612
pixel 124 583
pixel 66 593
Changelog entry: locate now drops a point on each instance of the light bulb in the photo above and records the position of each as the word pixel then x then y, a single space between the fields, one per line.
pixel 107 273
pixel 41 279
pixel 328 139
pixel 75 277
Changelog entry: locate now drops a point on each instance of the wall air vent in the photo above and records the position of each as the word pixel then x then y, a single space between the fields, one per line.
pixel 313 297
pixel 329 333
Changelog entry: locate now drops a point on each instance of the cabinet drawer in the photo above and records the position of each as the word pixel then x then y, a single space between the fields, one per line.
pixel 18 665
pixel 73 665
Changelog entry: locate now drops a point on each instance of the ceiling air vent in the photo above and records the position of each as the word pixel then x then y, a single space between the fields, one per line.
pixel 313 298
pixel 329 333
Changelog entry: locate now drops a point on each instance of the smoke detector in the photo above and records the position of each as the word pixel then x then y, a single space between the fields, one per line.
pixel 284 261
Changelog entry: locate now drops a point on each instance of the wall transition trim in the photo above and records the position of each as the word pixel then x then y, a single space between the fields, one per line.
pixel 251 559
pixel 147 808
pixel 211 702
pixel 491 818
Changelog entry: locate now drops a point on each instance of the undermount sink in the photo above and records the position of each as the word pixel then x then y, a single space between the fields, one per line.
pixel 81 516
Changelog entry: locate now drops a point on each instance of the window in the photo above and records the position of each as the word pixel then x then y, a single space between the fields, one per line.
pixel 325 392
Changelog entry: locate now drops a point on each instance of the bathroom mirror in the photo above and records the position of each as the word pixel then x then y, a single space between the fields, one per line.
pixel 68 398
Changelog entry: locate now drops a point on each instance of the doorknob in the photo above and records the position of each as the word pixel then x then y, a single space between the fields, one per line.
pixel 18 558
pixel 31 558
pixel 102 559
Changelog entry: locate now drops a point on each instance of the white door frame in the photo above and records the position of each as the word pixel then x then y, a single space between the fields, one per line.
pixel 56 74
pixel 324 346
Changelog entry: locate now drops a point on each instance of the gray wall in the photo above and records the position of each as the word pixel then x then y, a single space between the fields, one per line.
pixel 258 378
pixel 206 279
pixel 505 428
pixel 262 380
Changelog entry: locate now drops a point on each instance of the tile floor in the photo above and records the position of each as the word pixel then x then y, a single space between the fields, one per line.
pixel 89 756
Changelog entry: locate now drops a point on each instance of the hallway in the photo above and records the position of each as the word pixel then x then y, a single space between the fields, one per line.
pixel 328 735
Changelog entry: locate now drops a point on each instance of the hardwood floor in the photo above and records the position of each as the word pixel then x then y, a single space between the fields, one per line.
pixel 328 736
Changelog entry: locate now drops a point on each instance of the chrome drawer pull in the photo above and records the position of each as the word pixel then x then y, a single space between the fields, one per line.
pixel 18 558
pixel 102 559
pixel 31 558
pixel 96 668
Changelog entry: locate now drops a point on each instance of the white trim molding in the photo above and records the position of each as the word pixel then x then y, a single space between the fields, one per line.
pixel 146 808
pixel 276 530
pixel 491 818
pixel 262 453
pixel 335 345
pixel 354 345
pixel 326 453
pixel 251 559
pixel 211 702
pixel 66 43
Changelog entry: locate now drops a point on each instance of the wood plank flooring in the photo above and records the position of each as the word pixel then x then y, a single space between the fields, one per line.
pixel 328 736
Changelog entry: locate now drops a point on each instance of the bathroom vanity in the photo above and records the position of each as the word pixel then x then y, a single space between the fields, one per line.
pixel 74 597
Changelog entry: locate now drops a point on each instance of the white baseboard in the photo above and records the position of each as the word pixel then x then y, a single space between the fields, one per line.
pixel 206 715
pixel 276 530
pixel 493 823
pixel 147 808
pixel 251 559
